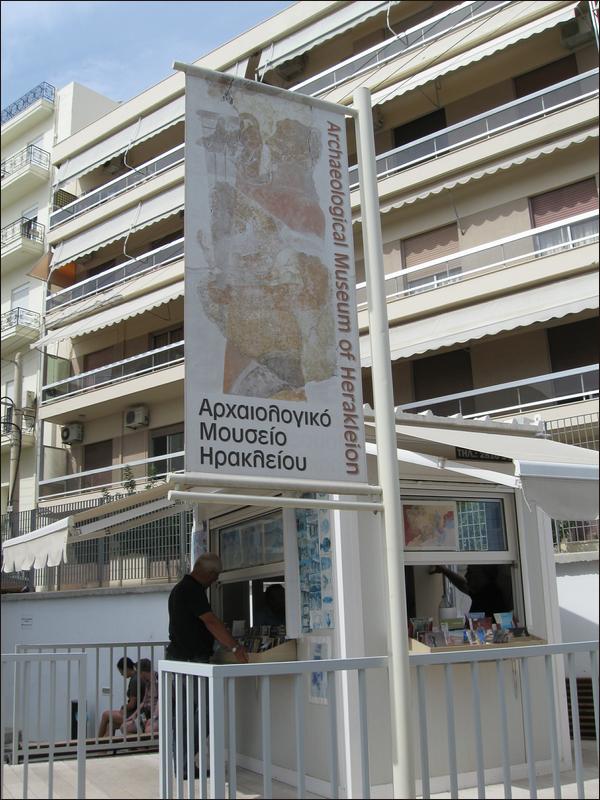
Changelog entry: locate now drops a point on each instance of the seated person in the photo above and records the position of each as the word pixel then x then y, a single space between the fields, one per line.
pixel 273 606
pixel 117 717
pixel 145 717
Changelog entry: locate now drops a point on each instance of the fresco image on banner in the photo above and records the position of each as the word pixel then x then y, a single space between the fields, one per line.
pixel 273 380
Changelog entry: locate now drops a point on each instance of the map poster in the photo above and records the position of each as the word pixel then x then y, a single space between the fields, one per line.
pixel 273 378
pixel 431 525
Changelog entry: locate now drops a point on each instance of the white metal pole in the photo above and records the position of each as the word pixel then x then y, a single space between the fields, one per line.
pixel 387 461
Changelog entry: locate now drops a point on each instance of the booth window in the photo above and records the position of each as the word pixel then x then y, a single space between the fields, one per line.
pixel 252 553
pixel 473 537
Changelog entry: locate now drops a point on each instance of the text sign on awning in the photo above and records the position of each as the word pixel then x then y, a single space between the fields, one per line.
pixel 273 379
pixel 476 455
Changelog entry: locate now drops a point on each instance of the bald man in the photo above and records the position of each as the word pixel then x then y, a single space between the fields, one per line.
pixel 193 627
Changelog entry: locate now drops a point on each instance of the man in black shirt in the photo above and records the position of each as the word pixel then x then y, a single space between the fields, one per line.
pixel 193 628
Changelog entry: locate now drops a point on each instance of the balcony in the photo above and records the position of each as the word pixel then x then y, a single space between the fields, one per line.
pixel 19 326
pixel 23 172
pixel 511 115
pixel 148 262
pixel 123 370
pixel 21 241
pixel 516 397
pixel 121 184
pixel 126 478
pixel 36 105
pixel 511 251
pixel 404 42
pixel 10 432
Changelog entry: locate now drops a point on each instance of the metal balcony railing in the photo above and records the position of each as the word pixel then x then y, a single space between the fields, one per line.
pixel 22 228
pixel 403 42
pixel 115 275
pixel 133 367
pixel 8 426
pixel 20 317
pixel 28 155
pixel 474 129
pixel 41 91
pixel 121 478
pixel 547 240
pixel 111 189
pixel 515 396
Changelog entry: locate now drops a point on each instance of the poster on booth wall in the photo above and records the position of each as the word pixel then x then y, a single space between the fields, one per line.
pixel 273 378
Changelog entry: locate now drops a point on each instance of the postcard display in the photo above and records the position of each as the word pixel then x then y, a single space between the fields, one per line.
pixel 315 561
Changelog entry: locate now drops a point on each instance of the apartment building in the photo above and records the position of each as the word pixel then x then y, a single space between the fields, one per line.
pixel 31 126
pixel 485 119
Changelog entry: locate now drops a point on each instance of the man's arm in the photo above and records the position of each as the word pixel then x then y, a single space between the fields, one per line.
pixel 454 578
pixel 222 635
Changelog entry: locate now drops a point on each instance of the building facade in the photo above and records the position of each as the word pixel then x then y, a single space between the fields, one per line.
pixel 485 118
pixel 31 126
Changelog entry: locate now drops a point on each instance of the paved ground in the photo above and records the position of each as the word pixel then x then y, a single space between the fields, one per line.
pixel 135 777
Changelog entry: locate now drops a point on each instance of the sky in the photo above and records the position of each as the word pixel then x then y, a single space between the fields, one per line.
pixel 116 47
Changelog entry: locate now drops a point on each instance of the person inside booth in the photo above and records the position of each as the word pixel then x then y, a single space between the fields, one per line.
pixel 481 584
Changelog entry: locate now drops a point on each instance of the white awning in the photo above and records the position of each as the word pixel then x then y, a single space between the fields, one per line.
pixel 348 16
pixel 135 133
pixel 47 546
pixel 436 463
pixel 490 317
pixel 475 54
pixel 517 159
pixel 135 218
pixel 559 478
pixel 113 315
pixel 44 547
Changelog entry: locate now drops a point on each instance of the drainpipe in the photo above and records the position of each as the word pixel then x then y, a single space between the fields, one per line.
pixel 15 444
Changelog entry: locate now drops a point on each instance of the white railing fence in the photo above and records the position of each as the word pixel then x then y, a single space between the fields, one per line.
pixel 31 670
pixel 215 686
pixel 539 686
pixel 105 690
pixel 533 676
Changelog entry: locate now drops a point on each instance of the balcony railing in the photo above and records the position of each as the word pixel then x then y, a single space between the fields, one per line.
pixel 405 41
pixel 484 125
pixel 128 477
pixel 22 228
pixel 126 369
pixel 8 426
pixel 29 155
pixel 111 189
pixel 115 275
pixel 18 317
pixel 576 231
pixel 41 91
pixel 515 396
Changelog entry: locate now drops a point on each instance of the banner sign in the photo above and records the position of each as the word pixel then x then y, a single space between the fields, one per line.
pixel 273 379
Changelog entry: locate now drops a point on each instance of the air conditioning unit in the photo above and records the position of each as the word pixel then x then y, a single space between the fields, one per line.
pixel 137 417
pixel 30 399
pixel 575 33
pixel 72 433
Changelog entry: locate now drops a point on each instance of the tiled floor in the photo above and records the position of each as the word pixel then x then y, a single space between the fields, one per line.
pixel 135 777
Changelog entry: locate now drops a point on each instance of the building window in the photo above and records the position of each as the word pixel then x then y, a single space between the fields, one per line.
pixel 252 543
pixel 19 296
pixel 96 456
pixel 163 442
pixel 418 128
pixel 443 374
pixel 564 203
pixel 548 75
pixel 430 246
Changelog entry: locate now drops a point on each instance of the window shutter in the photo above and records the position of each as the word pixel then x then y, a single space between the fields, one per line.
pixel 431 245
pixel 568 201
